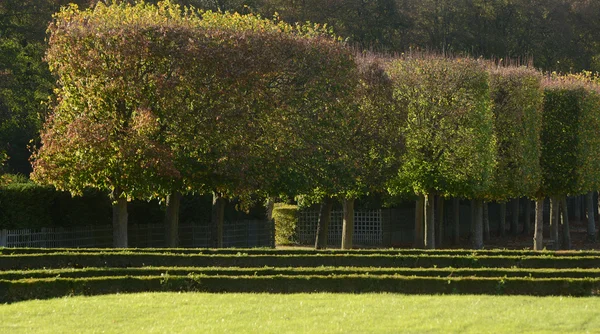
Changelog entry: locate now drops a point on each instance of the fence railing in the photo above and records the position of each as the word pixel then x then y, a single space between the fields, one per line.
pixel 368 227
pixel 241 233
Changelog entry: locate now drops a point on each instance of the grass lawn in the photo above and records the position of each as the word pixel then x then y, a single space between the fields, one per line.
pixel 301 313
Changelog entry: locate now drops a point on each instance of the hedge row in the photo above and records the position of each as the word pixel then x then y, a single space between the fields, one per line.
pixel 320 271
pixel 11 291
pixel 82 260
pixel 271 251
pixel 28 205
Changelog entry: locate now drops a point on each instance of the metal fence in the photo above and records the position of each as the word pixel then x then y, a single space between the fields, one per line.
pixel 242 233
pixel 368 227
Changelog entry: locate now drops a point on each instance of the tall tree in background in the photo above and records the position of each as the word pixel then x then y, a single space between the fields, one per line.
pixel 517 104
pixel 449 130
pixel 570 157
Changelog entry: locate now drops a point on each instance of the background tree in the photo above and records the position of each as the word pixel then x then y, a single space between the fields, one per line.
pixel 569 159
pixel 517 103
pixel 449 129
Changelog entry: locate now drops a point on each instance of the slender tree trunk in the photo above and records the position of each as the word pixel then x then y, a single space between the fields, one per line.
pixel 477 239
pixel 502 219
pixel 348 223
pixel 429 221
pixel 323 224
pixel 566 244
pixel 218 220
pixel 473 214
pixel 538 236
pixel 554 205
pixel 527 221
pixel 172 219
pixel 440 221
pixel 486 222
pixel 597 203
pixel 577 209
pixel 120 217
pixel 456 206
pixel 591 226
pixel 514 223
pixel 419 222
pixel 270 207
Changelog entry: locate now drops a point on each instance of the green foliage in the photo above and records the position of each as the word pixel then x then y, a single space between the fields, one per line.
pixel 449 130
pixel 12 291
pixel 141 259
pixel 143 105
pixel 285 217
pixel 570 161
pixel 517 105
pixel 26 205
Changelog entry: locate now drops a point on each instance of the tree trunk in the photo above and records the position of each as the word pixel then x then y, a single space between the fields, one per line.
pixel 486 222
pixel 419 222
pixel 477 239
pixel 472 229
pixel 217 220
pixel 566 244
pixel 591 226
pixel 456 205
pixel 172 219
pixel 269 207
pixel 502 219
pixel 554 204
pixel 429 221
pixel 440 221
pixel 323 224
pixel 120 217
pixel 527 221
pixel 538 236
pixel 597 203
pixel 348 223
pixel 514 223
pixel 577 209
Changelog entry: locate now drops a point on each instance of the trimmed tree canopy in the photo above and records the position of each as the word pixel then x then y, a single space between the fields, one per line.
pixel 517 105
pixel 449 129
pixel 208 100
pixel 570 158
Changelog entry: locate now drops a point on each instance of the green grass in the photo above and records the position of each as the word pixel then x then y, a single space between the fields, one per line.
pixel 301 313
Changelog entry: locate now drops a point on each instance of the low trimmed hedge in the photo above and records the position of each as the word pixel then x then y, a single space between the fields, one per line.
pixel 271 251
pixel 108 259
pixel 12 291
pixel 319 271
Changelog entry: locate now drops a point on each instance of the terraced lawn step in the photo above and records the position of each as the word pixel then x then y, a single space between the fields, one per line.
pixel 11 291
pixel 318 271
pixel 83 260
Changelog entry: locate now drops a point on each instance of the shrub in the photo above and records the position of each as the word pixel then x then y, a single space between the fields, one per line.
pixel 285 217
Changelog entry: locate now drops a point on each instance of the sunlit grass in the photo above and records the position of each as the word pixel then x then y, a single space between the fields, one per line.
pixel 301 313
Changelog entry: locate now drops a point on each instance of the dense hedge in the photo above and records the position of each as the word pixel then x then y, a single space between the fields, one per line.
pixel 285 217
pixel 289 271
pixel 300 251
pixel 11 291
pixel 28 205
pixel 82 260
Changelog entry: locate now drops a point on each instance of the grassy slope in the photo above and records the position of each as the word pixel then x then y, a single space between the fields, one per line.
pixel 302 313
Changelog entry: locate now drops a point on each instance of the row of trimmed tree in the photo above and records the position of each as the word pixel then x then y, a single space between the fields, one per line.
pixel 160 101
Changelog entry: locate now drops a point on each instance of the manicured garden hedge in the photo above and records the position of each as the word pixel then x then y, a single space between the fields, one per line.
pixel 290 271
pixel 299 251
pixel 82 260
pixel 11 291
pixel 46 273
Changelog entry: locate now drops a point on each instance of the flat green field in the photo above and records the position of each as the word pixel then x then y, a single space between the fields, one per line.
pixel 302 313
